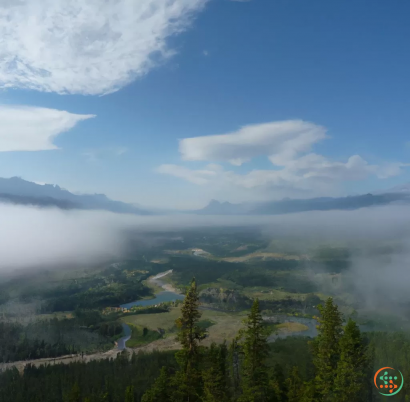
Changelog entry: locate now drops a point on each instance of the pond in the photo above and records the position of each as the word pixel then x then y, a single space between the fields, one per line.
pixel 160 297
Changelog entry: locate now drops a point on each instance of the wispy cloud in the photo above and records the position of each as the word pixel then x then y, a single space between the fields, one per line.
pixel 26 128
pixel 95 155
pixel 86 47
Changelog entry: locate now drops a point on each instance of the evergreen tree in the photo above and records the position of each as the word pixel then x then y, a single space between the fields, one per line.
pixel 326 351
pixel 254 344
pixel 350 383
pixel 129 394
pixel 215 377
pixel 160 391
pixel 294 386
pixel 309 392
pixel 189 332
pixel 277 384
pixel 188 381
pixel 234 350
pixel 75 394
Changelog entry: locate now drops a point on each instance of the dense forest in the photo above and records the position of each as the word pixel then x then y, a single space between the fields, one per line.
pixel 338 365
pixel 88 331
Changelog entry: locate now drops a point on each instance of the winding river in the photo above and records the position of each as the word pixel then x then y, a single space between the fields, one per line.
pixel 166 296
pixel 170 294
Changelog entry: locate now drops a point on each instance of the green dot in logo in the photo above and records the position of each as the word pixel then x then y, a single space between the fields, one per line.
pixel 386 378
pixel 385 373
pixel 395 378
pixel 390 378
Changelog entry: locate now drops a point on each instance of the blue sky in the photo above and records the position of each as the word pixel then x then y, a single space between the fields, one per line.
pixel 173 103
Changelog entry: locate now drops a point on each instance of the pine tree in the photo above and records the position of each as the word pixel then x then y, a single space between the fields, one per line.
pixel 189 333
pixel 309 392
pixel 277 384
pixel 294 386
pixel 215 377
pixel 350 382
pixel 75 394
pixel 234 351
pixel 188 382
pixel 326 350
pixel 254 344
pixel 129 394
pixel 160 391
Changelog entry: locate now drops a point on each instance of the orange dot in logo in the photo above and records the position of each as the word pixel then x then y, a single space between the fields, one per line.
pixel 391 386
pixel 381 386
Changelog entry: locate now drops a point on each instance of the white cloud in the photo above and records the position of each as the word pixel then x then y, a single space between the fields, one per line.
pixel 194 176
pixel 281 141
pixel 297 172
pixel 309 175
pixel 86 46
pixel 26 128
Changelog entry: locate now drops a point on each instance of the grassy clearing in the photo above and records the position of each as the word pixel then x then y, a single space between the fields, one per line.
pixel 291 327
pixel 261 255
pixel 141 336
pixel 263 293
pixel 220 325
pixel 205 324
pixel 165 321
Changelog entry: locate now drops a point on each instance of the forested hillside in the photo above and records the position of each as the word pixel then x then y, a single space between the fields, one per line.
pixel 338 365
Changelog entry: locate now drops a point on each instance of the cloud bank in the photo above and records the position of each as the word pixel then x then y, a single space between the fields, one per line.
pixel 86 46
pixel 33 237
pixel 38 238
pixel 26 128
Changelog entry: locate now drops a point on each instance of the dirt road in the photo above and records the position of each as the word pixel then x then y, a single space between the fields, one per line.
pixel 160 344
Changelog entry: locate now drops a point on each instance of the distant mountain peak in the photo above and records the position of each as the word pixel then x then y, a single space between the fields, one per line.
pixel 288 205
pixel 20 191
pixel 214 202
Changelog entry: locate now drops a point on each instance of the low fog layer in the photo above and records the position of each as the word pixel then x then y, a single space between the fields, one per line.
pixel 32 237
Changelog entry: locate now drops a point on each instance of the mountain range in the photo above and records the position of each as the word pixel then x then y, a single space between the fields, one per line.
pixel 300 205
pixel 18 191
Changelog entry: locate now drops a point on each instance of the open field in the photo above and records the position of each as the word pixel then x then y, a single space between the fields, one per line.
pixel 261 255
pixel 271 294
pixel 226 326
pixel 291 327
